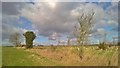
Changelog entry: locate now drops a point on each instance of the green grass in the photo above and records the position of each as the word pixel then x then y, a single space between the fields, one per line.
pixel 14 57
pixel 0 56
pixel 19 57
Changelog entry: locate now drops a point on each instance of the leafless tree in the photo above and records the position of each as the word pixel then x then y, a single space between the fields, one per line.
pixel 68 40
pixel 15 39
pixel 82 31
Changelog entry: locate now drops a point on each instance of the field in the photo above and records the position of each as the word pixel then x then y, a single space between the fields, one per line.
pixel 0 56
pixel 59 56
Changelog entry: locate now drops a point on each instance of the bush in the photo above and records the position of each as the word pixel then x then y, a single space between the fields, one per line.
pixel 102 46
pixel 110 45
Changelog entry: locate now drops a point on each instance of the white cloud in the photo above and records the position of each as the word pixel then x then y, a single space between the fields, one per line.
pixel 100 13
pixel 49 20
pixel 101 30
pixel 109 0
pixel 113 23
pixel 115 0
pixel 53 18
pixel 62 18
pixel 54 36
pixel 44 0
pixel 59 19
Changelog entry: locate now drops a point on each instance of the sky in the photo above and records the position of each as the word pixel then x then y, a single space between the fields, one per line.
pixel 52 21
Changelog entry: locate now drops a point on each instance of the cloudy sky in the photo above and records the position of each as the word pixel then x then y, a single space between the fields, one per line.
pixel 51 21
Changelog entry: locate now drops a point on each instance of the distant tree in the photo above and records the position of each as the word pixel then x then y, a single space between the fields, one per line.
pixel 15 39
pixel 29 36
pixel 83 30
pixel 68 40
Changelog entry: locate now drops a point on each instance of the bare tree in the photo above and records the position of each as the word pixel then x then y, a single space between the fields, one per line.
pixel 15 39
pixel 69 37
pixel 68 41
pixel 82 31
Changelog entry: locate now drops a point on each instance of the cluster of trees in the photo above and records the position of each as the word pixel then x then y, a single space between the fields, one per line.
pixel 29 37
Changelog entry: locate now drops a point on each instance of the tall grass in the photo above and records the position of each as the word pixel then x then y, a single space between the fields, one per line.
pixel 69 55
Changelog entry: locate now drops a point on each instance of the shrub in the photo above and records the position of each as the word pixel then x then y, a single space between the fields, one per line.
pixel 102 46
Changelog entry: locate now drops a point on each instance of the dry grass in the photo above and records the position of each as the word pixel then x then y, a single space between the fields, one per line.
pixel 69 55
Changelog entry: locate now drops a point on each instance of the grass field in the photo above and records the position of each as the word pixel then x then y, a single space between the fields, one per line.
pixel 19 57
pixel 59 56
pixel 0 56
